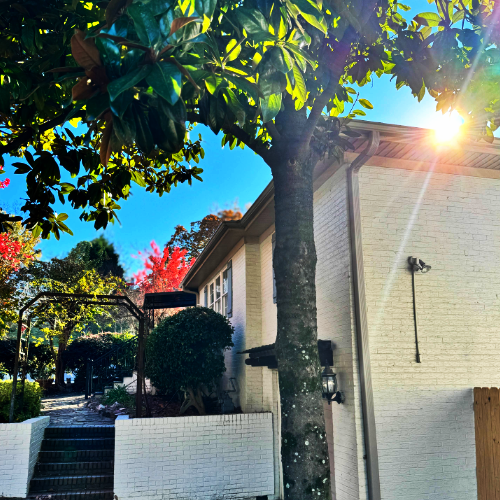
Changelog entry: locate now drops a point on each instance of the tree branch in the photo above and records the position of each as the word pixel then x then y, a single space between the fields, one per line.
pixel 239 133
pixel 22 139
pixel 336 64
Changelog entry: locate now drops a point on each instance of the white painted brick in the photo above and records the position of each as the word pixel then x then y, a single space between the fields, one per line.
pixel 233 457
pixel 424 412
pixel 21 443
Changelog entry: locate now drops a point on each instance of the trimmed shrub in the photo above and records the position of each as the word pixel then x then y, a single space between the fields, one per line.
pixel 32 401
pixel 186 352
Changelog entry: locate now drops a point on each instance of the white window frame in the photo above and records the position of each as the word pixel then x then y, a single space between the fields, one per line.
pixel 218 292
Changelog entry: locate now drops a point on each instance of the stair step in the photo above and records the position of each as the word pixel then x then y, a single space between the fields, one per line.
pixel 95 431
pixel 75 456
pixel 78 444
pixel 94 494
pixel 73 468
pixel 56 484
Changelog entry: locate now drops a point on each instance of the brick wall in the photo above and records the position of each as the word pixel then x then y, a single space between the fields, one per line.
pixel 335 322
pixel 424 413
pixel 20 444
pixel 211 457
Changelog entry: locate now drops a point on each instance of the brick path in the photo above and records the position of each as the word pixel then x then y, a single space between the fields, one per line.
pixel 68 409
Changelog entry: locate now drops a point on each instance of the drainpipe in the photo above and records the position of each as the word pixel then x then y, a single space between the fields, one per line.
pixel 362 338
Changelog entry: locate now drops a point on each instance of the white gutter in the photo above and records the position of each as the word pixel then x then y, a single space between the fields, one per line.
pixel 369 430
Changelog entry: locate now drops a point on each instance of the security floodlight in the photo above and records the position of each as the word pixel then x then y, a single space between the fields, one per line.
pixel 418 265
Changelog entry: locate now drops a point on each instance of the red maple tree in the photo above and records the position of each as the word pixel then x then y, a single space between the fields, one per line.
pixel 4 184
pixel 163 271
pixel 11 251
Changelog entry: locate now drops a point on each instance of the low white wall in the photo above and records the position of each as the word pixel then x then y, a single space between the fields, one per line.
pixel 19 446
pixel 210 457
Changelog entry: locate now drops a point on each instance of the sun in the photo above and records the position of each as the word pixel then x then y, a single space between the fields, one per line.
pixel 447 127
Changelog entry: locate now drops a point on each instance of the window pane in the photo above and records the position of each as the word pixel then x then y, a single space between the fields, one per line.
pixel 224 282
pixel 217 288
pixel 224 305
pixel 211 294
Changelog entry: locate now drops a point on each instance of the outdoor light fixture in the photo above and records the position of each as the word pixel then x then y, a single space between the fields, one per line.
pixel 329 381
pixel 417 266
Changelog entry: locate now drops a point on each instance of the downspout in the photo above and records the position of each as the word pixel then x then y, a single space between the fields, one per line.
pixel 360 313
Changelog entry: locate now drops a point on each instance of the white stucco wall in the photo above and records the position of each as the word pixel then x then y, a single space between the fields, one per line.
pixel 335 322
pixel 19 445
pixel 269 312
pixel 424 412
pixel 200 458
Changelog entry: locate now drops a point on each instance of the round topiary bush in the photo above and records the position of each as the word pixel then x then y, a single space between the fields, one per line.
pixel 186 352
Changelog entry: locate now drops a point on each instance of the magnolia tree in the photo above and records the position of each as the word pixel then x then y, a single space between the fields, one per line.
pixel 274 76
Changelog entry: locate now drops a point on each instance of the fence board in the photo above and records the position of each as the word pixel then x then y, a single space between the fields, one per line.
pixel 487 428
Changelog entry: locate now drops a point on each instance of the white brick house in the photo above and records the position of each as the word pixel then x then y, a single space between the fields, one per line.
pixel 406 429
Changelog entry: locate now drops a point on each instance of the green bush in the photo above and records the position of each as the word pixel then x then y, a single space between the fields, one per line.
pixel 32 401
pixel 118 395
pixel 186 352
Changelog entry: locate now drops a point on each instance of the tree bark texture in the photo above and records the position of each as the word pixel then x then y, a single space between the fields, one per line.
pixel 306 468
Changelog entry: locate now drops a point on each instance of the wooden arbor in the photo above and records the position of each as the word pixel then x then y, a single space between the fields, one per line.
pixel 85 299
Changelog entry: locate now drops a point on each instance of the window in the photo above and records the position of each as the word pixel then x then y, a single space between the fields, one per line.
pixel 205 298
pixel 221 292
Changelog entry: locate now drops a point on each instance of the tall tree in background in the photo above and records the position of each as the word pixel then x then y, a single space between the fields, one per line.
pixel 98 254
pixel 196 239
pixel 59 320
pixel 272 76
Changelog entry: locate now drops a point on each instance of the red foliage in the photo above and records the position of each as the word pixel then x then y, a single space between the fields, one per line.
pixel 163 271
pixel 11 251
pixel 4 184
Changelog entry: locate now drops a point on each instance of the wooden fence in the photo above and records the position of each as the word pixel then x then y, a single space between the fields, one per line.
pixel 487 423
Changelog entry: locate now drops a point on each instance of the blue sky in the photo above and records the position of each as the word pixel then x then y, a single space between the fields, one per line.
pixel 227 175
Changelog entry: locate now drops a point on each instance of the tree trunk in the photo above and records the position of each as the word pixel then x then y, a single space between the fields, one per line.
pixel 60 365
pixel 304 448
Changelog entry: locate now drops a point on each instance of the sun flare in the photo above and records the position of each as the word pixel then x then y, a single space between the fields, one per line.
pixel 447 127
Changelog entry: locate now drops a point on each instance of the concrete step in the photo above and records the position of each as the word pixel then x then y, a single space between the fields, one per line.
pixel 78 444
pixel 53 456
pixel 65 432
pixel 93 494
pixel 56 484
pixel 73 468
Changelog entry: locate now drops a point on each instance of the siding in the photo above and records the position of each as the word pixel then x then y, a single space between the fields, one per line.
pixel 424 412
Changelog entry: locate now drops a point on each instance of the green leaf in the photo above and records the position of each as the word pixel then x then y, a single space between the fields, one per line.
pixel 252 21
pixel 4 99
pixel 96 106
pixel 166 80
pixel 236 52
pixel 116 87
pixel 248 87
pixel 205 7
pixel 138 178
pixel 215 83
pixel 144 137
pixel 428 19
pixel 300 84
pixel 307 7
pixel 281 59
pixel 121 103
pixel 234 105
pixel 148 30
pixel 61 217
pixel 275 83
pixel 270 107
pixel 319 24
pixel 125 128
pixel 366 103
pixel 458 16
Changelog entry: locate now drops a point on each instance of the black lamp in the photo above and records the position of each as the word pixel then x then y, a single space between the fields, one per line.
pixel 329 382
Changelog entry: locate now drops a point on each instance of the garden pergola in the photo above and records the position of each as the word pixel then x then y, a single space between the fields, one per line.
pixel 85 299
pixel 152 301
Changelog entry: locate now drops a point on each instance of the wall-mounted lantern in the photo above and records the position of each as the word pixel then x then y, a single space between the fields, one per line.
pixel 329 382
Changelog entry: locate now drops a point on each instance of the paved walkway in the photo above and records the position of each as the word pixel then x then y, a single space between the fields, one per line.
pixel 68 409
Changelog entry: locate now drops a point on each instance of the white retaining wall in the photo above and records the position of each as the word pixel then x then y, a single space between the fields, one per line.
pixel 209 457
pixel 19 447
